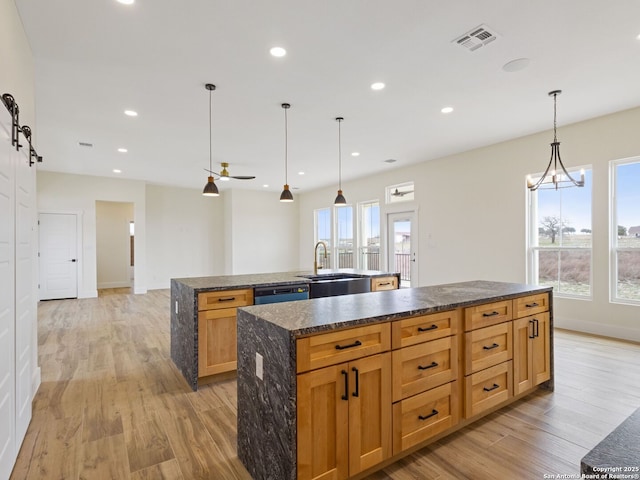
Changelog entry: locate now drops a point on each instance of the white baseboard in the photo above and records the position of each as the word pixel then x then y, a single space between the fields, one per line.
pixel 88 294
pixel 120 284
pixel 606 330
pixel 139 290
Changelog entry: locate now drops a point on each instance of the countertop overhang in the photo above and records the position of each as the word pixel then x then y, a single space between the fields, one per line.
pixel 330 313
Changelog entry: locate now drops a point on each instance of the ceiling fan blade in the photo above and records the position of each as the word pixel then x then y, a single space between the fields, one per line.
pixel 211 171
pixel 243 177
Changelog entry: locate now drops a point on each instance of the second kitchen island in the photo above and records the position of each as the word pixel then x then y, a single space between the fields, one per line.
pixel 339 387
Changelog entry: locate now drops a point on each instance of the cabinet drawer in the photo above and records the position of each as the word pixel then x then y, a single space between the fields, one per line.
pixel 488 388
pixel 424 366
pixel 336 347
pixel 488 346
pixel 420 417
pixel 487 314
pixel 424 328
pixel 225 299
pixel 530 305
pixel 384 283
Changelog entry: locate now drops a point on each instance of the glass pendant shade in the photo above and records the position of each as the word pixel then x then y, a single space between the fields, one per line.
pixel 210 189
pixel 286 195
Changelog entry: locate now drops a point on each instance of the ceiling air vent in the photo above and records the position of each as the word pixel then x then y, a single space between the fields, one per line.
pixel 476 38
pixel 85 144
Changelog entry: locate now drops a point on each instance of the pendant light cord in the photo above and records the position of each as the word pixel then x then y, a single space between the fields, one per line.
pixel 210 141
pixel 555 137
pixel 286 153
pixel 339 155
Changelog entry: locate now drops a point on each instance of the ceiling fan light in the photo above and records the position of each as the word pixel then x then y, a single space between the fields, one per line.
pixel 286 195
pixel 340 200
pixel 210 189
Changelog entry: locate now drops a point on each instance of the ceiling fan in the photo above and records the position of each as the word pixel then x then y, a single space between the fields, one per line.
pixel 398 193
pixel 224 174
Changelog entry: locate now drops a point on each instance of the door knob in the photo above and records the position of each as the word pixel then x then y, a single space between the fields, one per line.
pixel 73 259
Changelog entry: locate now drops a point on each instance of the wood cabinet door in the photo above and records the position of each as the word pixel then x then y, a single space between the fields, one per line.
pixel 523 330
pixel 541 356
pixel 217 342
pixel 369 412
pixel 323 423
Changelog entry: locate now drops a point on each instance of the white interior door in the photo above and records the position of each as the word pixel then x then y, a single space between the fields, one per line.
pixel 58 256
pixel 7 301
pixel 401 247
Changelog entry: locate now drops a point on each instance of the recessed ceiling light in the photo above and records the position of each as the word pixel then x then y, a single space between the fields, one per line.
pixel 355 154
pixel 447 110
pixel 278 52
pixel 122 150
pixel 300 173
pixel 130 113
pixel 377 86
pixel 126 2
pixel 265 185
pixel 116 170
pixel 516 65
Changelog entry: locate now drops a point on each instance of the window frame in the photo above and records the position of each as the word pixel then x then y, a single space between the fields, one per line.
pixel 614 249
pixel 533 248
pixel 360 235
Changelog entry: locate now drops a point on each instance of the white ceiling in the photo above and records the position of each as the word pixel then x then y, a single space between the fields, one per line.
pixel 94 59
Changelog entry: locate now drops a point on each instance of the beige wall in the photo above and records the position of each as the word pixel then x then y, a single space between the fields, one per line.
pixel 113 244
pixel 472 213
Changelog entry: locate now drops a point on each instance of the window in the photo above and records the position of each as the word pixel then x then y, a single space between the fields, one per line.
pixel 560 238
pixel 344 236
pixel 625 231
pixel 403 192
pixel 369 236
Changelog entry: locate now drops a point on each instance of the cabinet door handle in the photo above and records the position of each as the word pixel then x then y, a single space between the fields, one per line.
pixel 346 385
pixel 228 299
pixel 433 413
pixel 492 314
pixel 426 329
pixel 427 367
pixel 357 343
pixel 531 305
pixel 491 347
pixel 537 325
pixel 495 385
pixel 533 329
pixel 357 392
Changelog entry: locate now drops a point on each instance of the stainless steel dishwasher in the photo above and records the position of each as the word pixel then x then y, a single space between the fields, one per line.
pixel 280 293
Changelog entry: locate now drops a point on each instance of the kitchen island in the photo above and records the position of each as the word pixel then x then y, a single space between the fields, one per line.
pixel 343 386
pixel 203 315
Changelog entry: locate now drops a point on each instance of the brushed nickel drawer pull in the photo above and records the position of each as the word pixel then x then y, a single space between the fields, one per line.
pixel 426 329
pixel 228 299
pixel 427 367
pixel 357 343
pixel 495 385
pixel 531 305
pixel 433 413
pixel 492 314
pixel 491 347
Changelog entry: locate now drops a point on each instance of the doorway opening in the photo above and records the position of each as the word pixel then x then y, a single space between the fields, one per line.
pixel 401 249
pixel 114 247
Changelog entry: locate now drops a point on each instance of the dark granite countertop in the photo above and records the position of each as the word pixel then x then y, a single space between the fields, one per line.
pixel 320 314
pixel 225 282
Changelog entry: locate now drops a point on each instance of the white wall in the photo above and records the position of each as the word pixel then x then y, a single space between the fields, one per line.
pixel 185 235
pixel 113 244
pixel 65 193
pixel 472 213
pixel 263 233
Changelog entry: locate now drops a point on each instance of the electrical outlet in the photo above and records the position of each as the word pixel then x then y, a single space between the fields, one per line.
pixel 259 365
pixel 176 307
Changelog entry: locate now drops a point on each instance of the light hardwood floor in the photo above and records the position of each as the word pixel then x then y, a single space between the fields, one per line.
pixel 113 406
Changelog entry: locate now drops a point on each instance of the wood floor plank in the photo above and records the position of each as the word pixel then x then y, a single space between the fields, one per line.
pixel 112 405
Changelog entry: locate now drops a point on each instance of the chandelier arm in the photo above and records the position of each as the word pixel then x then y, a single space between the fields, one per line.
pixel 577 183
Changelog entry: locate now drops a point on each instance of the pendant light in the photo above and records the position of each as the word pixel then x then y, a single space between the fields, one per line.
pixel 286 195
pixel 552 178
pixel 210 188
pixel 340 200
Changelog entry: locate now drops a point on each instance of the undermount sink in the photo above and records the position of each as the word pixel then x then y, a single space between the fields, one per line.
pixel 334 284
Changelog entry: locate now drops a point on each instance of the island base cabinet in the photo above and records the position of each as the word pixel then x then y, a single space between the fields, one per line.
pixel 531 352
pixel 418 418
pixel 217 343
pixel 344 418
